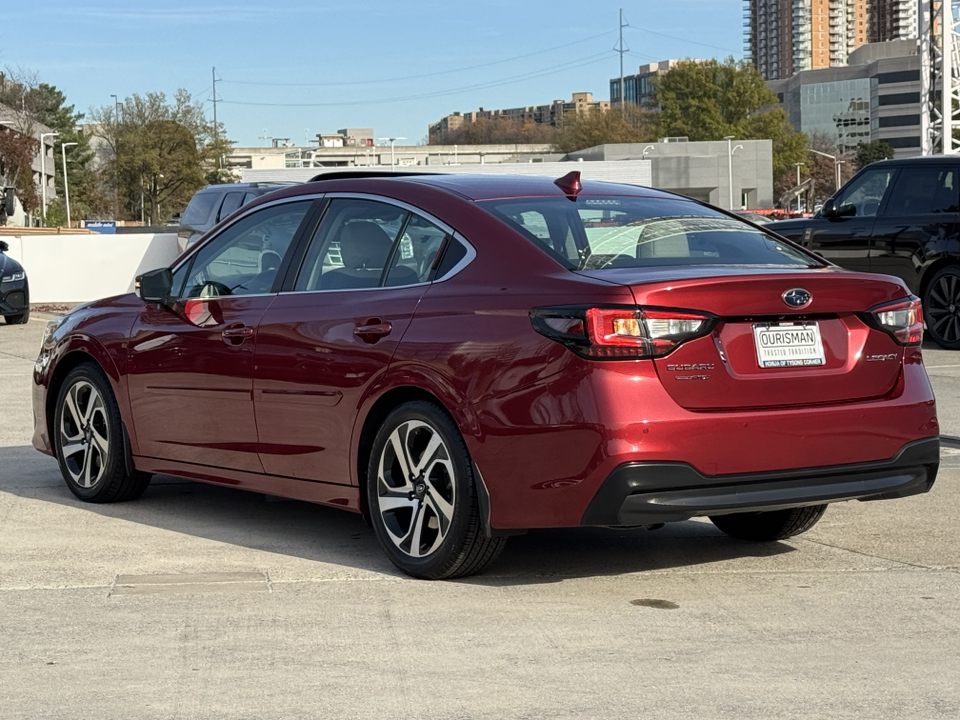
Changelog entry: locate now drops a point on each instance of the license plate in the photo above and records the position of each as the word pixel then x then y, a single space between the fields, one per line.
pixel 789 345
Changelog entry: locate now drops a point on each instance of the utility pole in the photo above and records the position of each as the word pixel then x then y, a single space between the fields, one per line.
pixel 621 49
pixel 216 128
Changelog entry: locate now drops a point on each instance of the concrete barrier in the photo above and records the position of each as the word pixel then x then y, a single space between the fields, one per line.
pixel 79 268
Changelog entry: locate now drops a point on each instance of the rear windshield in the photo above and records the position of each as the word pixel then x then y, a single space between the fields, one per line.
pixel 594 233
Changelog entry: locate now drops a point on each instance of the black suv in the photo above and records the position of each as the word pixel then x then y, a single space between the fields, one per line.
pixel 14 289
pixel 902 218
pixel 213 203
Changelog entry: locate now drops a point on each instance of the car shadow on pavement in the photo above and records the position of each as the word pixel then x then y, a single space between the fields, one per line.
pixel 326 535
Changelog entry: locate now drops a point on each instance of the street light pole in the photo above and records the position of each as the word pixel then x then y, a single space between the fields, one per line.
pixel 798 165
pixel 730 151
pixel 836 162
pixel 43 174
pixel 66 189
pixel 393 158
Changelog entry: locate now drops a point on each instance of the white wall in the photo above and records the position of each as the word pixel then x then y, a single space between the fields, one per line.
pixel 79 268
pixel 638 172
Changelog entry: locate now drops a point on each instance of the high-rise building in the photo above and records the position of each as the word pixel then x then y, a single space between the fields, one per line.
pixel 892 20
pixel 784 37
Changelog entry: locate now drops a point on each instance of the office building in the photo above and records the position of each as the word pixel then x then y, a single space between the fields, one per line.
pixel 875 97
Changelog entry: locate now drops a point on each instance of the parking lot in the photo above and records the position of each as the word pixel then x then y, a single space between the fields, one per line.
pixel 201 602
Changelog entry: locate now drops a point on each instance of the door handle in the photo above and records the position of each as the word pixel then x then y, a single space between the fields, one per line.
pixel 236 335
pixel 373 330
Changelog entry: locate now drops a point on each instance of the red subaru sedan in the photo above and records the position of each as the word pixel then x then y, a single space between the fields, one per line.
pixel 464 358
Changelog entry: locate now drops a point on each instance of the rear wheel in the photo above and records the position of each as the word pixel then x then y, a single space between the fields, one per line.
pixel 89 439
pixel 771 525
pixel 941 308
pixel 422 496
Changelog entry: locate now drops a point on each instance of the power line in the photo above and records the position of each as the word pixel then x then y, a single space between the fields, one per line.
pixel 588 60
pixel 416 77
pixel 680 39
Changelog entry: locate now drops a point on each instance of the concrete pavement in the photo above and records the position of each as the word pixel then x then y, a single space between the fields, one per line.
pixel 201 602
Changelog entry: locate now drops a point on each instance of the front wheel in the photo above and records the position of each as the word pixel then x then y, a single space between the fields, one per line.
pixel 89 440
pixel 941 308
pixel 422 496
pixel 770 525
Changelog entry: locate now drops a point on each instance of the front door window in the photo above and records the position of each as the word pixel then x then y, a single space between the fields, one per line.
pixel 243 259
pixel 865 193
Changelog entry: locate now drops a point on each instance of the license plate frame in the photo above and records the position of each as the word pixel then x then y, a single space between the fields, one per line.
pixel 789 345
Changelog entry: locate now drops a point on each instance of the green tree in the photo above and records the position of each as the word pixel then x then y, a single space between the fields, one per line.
pixel 627 124
pixel 17 152
pixel 710 100
pixel 871 152
pixel 38 104
pixel 160 153
pixel 48 106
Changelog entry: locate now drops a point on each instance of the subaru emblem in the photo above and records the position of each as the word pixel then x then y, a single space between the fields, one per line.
pixel 797 298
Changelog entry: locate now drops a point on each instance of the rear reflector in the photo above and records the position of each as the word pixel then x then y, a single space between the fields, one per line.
pixel 620 332
pixel 901 319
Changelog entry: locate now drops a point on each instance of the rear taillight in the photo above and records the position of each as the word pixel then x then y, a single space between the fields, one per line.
pixel 901 319
pixel 618 333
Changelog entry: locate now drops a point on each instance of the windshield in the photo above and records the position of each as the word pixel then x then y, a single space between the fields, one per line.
pixel 593 233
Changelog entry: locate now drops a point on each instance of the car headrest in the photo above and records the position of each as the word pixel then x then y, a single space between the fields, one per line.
pixel 364 244
pixel 269 260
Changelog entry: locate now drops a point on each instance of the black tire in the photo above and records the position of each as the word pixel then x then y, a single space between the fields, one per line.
pixel 21 319
pixel 90 441
pixel 771 525
pixel 433 502
pixel 941 307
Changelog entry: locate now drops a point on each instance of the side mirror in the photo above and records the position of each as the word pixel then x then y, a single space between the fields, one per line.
pixel 155 286
pixel 829 209
pixel 3 246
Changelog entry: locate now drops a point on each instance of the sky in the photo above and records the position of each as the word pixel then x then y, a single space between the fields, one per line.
pixel 295 68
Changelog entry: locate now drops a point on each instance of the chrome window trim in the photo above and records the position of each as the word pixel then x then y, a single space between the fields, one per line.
pixel 471 252
pixel 190 252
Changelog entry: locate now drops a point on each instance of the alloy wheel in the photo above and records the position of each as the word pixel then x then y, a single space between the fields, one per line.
pixel 84 434
pixel 416 488
pixel 943 308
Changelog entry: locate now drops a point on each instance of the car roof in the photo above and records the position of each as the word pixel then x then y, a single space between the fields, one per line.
pixel 920 160
pixel 271 185
pixel 482 187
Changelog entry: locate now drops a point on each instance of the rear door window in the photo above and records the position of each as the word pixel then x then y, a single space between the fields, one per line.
pixel 231 201
pixel 596 233
pixel 923 190
pixel 365 244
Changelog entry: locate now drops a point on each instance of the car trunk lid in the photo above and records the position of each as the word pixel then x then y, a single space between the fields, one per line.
pixel 761 352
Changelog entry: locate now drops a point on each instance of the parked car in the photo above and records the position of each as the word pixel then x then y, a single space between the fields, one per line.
pixel 902 218
pixel 753 217
pixel 214 203
pixel 14 289
pixel 484 355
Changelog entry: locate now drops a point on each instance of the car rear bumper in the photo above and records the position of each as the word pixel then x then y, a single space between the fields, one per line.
pixel 650 493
